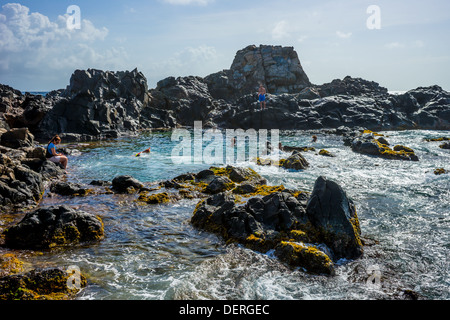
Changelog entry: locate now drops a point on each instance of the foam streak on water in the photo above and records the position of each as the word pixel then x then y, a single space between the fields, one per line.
pixel 152 252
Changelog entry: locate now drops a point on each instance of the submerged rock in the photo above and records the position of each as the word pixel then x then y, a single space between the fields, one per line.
pixel 54 226
pixel 39 284
pixel 9 264
pixel 296 162
pixel 154 198
pixel 326 153
pixel 440 171
pixel 97 103
pixel 126 184
pixel 307 256
pixel 69 189
pixel 367 143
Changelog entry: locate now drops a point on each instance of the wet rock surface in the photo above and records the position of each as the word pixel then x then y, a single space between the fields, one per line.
pixel 52 227
pixel 309 234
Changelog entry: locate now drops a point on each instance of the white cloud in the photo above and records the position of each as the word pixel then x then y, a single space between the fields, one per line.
pixel 419 44
pixel 196 61
pixel 188 2
pixel 280 30
pixel 394 45
pixel 343 35
pixel 301 39
pixel 31 45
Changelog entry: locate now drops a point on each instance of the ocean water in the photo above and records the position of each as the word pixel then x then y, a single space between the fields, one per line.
pixel 151 252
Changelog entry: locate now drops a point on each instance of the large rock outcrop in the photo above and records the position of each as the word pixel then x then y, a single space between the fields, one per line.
pixel 180 101
pixel 103 104
pixel 310 232
pixel 97 104
pixel 275 67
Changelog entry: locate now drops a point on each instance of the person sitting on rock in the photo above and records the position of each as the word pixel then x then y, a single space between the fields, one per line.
pixel 262 96
pixel 53 156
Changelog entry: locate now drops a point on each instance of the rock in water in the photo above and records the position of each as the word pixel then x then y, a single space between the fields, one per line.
pixel 54 226
pixel 126 184
pixel 296 162
pixel 47 284
pixel 334 216
pixel 366 143
pixel 69 188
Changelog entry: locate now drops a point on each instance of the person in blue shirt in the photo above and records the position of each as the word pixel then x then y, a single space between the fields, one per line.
pixel 53 156
pixel 262 96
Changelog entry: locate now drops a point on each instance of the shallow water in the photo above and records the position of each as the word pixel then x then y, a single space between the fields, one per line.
pixel 152 252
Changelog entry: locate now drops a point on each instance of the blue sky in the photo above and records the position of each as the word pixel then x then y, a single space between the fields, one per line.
pixel 199 37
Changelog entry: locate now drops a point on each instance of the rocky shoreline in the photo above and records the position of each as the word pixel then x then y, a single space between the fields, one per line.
pixel 103 104
pixel 308 229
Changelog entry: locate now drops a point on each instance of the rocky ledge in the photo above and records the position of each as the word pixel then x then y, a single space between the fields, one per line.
pixel 103 104
pixel 24 170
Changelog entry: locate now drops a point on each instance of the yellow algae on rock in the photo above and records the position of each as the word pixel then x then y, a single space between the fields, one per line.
pixel 158 198
pixel 307 256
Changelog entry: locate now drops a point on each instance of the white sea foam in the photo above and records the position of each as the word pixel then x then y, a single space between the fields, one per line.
pixel 152 252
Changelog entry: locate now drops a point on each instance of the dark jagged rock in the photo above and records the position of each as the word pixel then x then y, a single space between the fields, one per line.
pixel 219 184
pixel 351 87
pixel 19 185
pixel 39 284
pixel 99 104
pixel 69 189
pixel 23 174
pixel 184 100
pixel 126 184
pixel 54 226
pixel 50 170
pixel 17 138
pixel 367 143
pixel 22 110
pixel 295 161
pixel 102 104
pixel 285 222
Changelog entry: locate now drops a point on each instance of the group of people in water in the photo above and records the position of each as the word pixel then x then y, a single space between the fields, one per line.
pixel 59 158
pixel 52 155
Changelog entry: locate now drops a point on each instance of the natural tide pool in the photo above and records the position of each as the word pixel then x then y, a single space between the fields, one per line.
pixel 152 251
